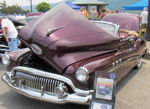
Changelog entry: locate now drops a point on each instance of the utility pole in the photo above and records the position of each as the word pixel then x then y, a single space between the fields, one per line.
pixel 4 6
pixel 31 5
pixel 147 36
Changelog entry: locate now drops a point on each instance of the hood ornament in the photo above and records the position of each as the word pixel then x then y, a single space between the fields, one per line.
pixel 50 31
pixel 36 49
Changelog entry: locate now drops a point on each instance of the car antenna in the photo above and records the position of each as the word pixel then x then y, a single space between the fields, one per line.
pixel 50 31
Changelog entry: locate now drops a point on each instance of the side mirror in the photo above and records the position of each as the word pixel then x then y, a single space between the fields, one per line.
pixel 137 43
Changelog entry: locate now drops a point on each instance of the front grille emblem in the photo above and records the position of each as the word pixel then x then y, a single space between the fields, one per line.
pixel 36 49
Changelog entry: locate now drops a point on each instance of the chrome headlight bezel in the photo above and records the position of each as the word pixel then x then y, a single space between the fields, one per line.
pixel 5 59
pixel 82 74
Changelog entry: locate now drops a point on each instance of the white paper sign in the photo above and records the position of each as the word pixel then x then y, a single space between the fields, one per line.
pixel 104 88
pixel 100 106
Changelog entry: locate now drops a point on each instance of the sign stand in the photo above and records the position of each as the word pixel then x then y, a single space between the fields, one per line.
pixel 104 91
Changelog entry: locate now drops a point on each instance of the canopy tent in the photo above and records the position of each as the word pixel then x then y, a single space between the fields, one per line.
pixel 73 6
pixel 137 6
pixel 87 3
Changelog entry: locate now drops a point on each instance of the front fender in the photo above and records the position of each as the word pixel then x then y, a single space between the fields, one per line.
pixel 14 57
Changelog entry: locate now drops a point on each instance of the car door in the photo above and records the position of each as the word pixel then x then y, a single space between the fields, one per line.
pixel 126 52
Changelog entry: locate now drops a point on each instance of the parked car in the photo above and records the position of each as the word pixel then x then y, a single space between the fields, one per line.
pixel 28 19
pixel 64 51
pixel 33 14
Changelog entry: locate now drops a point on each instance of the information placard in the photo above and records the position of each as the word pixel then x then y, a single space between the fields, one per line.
pixel 104 88
pixel 97 105
pixel 104 91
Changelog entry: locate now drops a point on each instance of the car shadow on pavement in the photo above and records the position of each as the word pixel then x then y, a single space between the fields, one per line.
pixel 131 74
pixel 126 79
pixel 147 56
pixel 13 100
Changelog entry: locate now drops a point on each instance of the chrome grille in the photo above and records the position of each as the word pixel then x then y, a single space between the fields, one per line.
pixel 37 82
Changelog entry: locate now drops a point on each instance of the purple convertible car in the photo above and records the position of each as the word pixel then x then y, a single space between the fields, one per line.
pixel 64 51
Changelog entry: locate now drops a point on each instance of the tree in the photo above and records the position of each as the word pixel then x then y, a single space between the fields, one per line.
pixel 3 6
pixel 12 9
pixel 43 7
pixel 26 11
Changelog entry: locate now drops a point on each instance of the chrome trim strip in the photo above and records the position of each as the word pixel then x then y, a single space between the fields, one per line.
pixel 4 46
pixel 1 54
pixel 53 76
pixel 7 50
pixel 123 62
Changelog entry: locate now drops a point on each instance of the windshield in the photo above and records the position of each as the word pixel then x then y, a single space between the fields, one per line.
pixel 107 27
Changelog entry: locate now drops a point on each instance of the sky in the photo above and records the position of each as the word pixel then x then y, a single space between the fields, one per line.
pixel 27 2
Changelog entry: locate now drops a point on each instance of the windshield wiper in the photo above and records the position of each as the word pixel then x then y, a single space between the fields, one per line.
pixel 50 31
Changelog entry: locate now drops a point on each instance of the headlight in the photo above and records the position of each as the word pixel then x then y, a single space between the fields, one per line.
pixel 82 74
pixel 5 59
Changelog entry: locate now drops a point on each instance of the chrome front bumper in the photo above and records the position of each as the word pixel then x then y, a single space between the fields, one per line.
pixel 78 96
pixel 3 49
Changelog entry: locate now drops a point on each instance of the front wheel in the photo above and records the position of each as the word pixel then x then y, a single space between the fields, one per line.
pixel 146 51
pixel 139 64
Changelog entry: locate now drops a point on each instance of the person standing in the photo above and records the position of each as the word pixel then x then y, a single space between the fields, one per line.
pixel 93 14
pixel 84 12
pixel 103 13
pixel 10 33
pixel 116 11
pixel 81 12
pixel 144 20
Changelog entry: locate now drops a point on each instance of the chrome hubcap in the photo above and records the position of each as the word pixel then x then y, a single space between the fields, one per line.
pixel 139 63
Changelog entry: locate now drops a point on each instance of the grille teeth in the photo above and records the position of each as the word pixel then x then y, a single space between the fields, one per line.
pixel 37 82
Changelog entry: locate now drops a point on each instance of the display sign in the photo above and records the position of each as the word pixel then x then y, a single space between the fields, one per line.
pixel 104 88
pixel 104 91
pixel 97 105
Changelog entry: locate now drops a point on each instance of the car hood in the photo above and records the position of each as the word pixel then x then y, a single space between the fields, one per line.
pixel 75 40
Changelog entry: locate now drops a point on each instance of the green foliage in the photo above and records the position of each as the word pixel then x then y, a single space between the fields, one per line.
pixel 3 6
pixel 89 17
pixel 12 9
pixel 27 11
pixel 43 7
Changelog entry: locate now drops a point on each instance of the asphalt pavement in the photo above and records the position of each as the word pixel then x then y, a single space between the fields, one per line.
pixel 133 92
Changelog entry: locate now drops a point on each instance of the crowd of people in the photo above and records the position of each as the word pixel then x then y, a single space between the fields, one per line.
pixel 94 14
